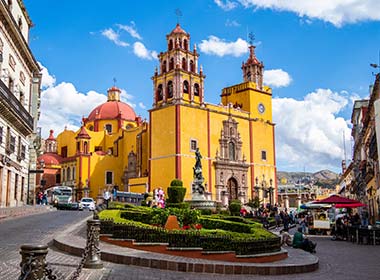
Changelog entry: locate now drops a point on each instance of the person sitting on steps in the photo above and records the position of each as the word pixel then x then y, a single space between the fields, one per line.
pixel 301 242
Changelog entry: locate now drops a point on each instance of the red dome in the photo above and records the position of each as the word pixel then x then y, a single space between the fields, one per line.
pixel 112 110
pixel 50 159
pixel 178 30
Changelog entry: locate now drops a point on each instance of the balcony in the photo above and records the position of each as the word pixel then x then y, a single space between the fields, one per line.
pixel 13 111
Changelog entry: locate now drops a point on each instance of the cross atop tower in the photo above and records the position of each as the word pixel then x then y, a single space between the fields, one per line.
pixel 251 37
pixel 178 13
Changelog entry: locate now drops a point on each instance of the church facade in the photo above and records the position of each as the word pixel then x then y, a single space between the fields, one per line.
pixel 236 138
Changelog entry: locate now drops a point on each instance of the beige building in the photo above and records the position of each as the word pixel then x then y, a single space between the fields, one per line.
pixel 19 105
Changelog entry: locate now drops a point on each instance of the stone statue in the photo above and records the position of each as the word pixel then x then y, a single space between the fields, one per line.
pixel 197 186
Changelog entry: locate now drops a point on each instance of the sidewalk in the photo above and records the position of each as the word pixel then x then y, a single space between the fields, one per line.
pixel 73 241
pixel 25 210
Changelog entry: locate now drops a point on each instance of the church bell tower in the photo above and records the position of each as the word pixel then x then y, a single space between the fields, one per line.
pixel 178 80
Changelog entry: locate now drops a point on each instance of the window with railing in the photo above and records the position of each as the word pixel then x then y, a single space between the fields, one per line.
pixel 12 144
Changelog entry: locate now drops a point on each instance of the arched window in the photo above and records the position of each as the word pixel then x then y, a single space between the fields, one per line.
pixel 231 148
pixel 184 64
pixel 249 76
pixel 78 147
pixel 170 46
pixel 171 64
pixel 163 69
pixel 196 90
pixel 231 131
pixel 185 44
pixel 85 147
pixel 63 175
pixel 192 66
pixel 159 94
pixel 73 173
pixel 129 126
pixel 68 173
pixel 185 87
pixel 108 127
pixel 91 127
pixel 170 89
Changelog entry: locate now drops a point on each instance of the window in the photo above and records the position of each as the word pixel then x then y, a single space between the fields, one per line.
pixel 185 44
pixel 64 152
pixel 159 94
pixel 185 87
pixel 170 46
pixel 129 126
pixel 196 90
pixel 73 177
pixel 19 22
pixel 163 69
pixel 184 64
pixel 12 62
pixel 171 64
pixel 68 173
pixel 1 134
pixel 22 77
pixel 78 147
pixel 23 151
pixel 193 145
pixel 170 89
pixel 108 127
pixel 98 148
pixel 85 147
pixel 63 175
pixel 263 155
pixel 109 178
pixel 231 147
pixel 16 186
pixel 12 144
pixel 91 128
pixel 191 66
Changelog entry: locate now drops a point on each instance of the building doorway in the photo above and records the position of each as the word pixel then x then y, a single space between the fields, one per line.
pixel 232 188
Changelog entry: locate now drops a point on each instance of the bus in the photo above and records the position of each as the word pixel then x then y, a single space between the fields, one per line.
pixel 61 197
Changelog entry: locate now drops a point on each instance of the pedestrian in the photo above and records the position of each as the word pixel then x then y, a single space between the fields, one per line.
pixel 106 197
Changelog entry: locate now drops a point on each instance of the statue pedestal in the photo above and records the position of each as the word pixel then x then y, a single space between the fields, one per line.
pixel 199 201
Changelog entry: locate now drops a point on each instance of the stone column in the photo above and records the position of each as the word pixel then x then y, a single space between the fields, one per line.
pixel 286 202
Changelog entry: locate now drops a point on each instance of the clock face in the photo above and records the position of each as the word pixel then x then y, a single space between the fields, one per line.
pixel 261 108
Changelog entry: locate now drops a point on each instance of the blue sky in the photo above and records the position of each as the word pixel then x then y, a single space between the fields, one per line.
pixel 316 56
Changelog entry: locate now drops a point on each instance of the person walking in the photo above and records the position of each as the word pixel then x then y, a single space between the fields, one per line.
pixel 106 197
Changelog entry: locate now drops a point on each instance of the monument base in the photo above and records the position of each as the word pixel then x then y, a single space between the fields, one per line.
pixel 199 202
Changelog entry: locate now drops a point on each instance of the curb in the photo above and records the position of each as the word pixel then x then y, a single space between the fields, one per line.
pixel 70 244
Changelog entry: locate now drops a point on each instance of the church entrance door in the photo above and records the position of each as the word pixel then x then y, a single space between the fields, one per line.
pixel 232 188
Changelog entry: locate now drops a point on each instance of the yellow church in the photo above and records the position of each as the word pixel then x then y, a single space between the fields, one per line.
pixel 236 138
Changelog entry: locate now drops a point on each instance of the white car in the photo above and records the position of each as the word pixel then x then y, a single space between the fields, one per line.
pixel 87 203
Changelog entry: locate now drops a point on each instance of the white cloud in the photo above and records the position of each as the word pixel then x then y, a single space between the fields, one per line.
pixel 232 23
pixel 226 5
pixel 141 51
pixel 141 105
pixel 113 36
pixel 337 12
pixel 47 79
pixel 309 131
pixel 219 47
pixel 63 106
pixel 277 78
pixel 130 29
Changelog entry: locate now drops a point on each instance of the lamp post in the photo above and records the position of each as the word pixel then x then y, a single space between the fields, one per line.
pixel 271 191
pixel 257 187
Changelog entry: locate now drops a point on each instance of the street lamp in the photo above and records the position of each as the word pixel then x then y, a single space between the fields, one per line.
pixel 257 187
pixel 271 191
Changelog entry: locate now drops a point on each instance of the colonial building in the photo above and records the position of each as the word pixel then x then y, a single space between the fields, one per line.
pixel 19 105
pixel 235 138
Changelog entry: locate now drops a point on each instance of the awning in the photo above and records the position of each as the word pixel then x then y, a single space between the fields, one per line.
pixel 350 205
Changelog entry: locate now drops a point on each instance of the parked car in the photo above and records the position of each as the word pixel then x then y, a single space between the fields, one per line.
pixel 87 203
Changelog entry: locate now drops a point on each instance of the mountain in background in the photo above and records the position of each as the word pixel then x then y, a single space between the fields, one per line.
pixel 323 178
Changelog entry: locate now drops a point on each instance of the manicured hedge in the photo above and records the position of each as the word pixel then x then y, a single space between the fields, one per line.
pixel 212 223
pixel 176 194
pixel 208 241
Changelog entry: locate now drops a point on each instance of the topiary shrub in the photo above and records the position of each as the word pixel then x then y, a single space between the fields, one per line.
pixel 235 207
pixel 176 192
pixel 176 183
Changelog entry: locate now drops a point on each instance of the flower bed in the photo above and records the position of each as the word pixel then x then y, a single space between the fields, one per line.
pixel 247 240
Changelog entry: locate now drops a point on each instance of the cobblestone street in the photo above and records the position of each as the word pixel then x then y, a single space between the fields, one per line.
pixel 39 229
pixel 335 262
